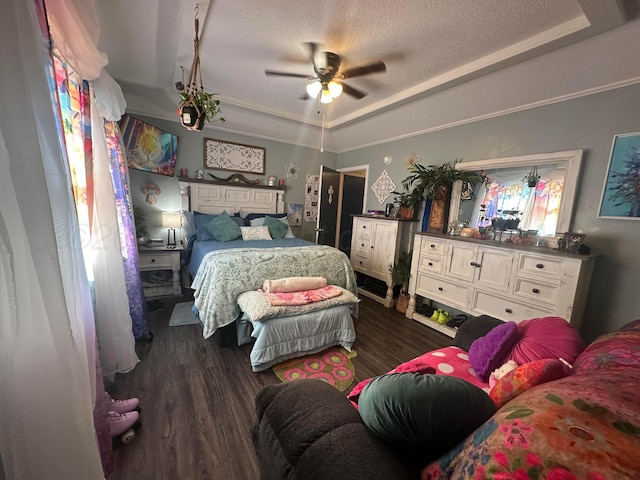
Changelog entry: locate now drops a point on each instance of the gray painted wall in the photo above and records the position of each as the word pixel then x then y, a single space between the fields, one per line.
pixel 190 156
pixel 587 123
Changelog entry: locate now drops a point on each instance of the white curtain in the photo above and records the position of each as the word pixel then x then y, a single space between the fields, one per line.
pixel 46 321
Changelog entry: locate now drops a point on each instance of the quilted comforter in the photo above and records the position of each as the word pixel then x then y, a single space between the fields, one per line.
pixel 225 274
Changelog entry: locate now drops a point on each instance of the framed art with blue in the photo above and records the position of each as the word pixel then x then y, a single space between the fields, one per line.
pixel 621 191
pixel 148 147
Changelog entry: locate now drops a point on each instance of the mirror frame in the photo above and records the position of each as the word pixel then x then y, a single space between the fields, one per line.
pixel 572 160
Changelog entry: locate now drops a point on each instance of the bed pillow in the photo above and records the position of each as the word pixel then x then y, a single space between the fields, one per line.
pixel 259 221
pixel 524 377
pixel 489 352
pixel 277 228
pixel 472 329
pixel 547 337
pixel 256 306
pixel 255 233
pixel 223 228
pixel 200 219
pixel 423 415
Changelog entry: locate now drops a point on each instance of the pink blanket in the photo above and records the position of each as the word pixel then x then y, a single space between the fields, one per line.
pixel 303 297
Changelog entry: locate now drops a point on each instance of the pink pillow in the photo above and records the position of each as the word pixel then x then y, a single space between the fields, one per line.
pixel 547 337
pixel 489 352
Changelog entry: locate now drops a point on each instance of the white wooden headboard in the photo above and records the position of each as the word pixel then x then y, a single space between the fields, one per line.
pixel 214 197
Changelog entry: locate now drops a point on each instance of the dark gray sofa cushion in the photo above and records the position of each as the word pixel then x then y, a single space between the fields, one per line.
pixel 308 430
pixel 474 328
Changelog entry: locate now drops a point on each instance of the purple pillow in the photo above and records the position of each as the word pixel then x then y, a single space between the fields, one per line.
pixel 490 352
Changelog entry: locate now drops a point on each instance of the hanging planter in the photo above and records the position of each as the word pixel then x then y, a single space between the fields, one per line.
pixel 196 107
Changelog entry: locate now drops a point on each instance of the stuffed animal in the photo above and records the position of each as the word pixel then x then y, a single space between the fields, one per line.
pixel 500 372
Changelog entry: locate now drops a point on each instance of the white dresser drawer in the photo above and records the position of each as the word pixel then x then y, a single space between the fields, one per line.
pixel 484 303
pixel 430 264
pixel 433 246
pixel 362 244
pixel 536 290
pixel 549 267
pixel 441 290
pixel 359 262
pixel 155 261
pixel 363 231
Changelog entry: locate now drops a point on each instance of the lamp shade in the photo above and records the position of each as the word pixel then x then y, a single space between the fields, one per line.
pixel 171 219
pixel 313 89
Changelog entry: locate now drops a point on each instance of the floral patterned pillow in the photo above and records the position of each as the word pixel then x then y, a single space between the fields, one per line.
pixel 524 377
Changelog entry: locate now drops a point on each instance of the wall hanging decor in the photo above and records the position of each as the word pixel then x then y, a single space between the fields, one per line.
pixel 312 187
pixel 383 187
pixel 411 160
pixel 148 148
pixel 292 170
pixel 233 157
pixel 196 106
pixel 151 190
pixel 294 214
pixel 621 192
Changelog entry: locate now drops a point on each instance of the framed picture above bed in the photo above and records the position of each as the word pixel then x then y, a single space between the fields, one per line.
pixel 233 157
pixel 148 147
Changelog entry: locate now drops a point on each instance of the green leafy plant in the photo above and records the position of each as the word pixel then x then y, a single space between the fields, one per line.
pixel 410 199
pixel 205 102
pixel 435 181
pixel 401 271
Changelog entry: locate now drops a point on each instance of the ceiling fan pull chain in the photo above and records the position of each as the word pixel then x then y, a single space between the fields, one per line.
pixel 322 136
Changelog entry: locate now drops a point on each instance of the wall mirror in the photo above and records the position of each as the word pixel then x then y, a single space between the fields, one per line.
pixel 508 202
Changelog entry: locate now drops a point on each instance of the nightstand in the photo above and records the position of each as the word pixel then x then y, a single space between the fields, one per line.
pixel 160 270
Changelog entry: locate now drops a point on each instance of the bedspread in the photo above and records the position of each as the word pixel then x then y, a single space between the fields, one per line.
pixel 225 274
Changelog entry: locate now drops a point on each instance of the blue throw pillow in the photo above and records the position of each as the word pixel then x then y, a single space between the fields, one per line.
pixel 223 228
pixel 277 229
pixel 423 415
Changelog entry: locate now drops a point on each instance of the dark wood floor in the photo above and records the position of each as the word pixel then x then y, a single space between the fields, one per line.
pixel 198 398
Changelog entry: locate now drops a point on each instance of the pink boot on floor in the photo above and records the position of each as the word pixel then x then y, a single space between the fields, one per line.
pixel 121 422
pixel 122 406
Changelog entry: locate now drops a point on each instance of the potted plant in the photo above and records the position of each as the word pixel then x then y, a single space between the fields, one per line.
pixel 400 273
pixel 140 221
pixel 434 182
pixel 196 109
pixel 408 202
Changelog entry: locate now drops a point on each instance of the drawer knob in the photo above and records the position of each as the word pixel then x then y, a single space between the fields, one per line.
pixel 362 244
pixel 440 288
pixel 535 290
pixel 430 264
pixel 153 260
pixel 433 246
pixel 474 264
pixel 539 265
pixel 508 310
pixel 371 246
pixel 364 226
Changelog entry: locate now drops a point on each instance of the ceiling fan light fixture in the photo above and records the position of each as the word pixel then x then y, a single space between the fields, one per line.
pixel 313 89
pixel 335 89
pixel 326 96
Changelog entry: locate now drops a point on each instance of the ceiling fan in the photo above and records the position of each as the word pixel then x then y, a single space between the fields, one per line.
pixel 328 80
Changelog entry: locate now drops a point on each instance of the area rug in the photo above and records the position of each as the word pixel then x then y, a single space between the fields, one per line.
pixel 333 366
pixel 182 315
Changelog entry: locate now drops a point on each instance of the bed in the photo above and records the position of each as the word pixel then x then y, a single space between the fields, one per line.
pixel 222 270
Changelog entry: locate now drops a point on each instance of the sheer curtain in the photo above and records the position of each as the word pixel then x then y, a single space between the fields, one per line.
pixel 47 355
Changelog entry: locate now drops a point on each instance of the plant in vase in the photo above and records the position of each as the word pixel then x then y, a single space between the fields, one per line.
pixel 434 182
pixel 400 273
pixel 408 202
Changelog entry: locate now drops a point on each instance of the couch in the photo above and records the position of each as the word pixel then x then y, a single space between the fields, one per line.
pixel 584 425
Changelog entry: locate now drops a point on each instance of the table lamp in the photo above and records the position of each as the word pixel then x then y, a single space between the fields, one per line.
pixel 171 220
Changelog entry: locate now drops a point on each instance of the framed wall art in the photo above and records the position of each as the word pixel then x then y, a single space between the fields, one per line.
pixel 233 157
pixel 147 147
pixel 621 192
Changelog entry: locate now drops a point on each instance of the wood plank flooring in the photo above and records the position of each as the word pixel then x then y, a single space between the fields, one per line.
pixel 197 398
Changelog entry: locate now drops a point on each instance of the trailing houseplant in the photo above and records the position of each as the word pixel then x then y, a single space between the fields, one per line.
pixel 408 202
pixel 434 182
pixel 400 273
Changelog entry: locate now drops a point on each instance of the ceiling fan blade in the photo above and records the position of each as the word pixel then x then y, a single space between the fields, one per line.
pixel 378 66
pixel 313 48
pixel 287 74
pixel 352 91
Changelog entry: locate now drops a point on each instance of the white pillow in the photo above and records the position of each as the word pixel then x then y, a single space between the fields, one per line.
pixel 256 222
pixel 255 233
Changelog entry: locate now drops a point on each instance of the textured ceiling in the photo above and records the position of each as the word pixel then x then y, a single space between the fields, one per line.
pixel 427 46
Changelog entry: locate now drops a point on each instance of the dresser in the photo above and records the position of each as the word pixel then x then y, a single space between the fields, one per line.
pixel 160 271
pixel 376 243
pixel 505 281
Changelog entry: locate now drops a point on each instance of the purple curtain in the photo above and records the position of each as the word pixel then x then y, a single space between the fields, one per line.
pixel 137 304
